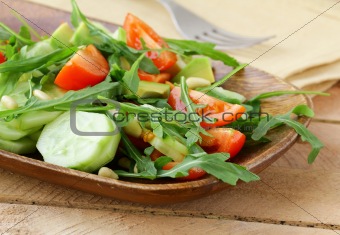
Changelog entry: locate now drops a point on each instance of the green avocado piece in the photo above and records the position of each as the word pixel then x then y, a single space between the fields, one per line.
pixel 62 35
pixel 197 67
pixel 120 35
pixel 151 90
pixel 82 36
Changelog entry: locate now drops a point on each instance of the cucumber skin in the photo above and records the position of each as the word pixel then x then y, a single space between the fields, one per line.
pixel 170 147
pixel 60 146
pixel 21 146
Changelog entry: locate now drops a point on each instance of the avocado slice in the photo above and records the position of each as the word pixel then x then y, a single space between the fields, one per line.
pixel 120 35
pixel 197 67
pixel 82 36
pixel 151 90
pixel 62 35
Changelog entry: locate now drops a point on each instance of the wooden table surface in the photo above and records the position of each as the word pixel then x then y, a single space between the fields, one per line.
pixel 292 197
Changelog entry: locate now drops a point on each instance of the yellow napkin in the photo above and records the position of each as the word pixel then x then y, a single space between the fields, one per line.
pixel 305 51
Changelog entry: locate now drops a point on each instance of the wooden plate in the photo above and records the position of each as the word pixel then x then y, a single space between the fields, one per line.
pixel 248 82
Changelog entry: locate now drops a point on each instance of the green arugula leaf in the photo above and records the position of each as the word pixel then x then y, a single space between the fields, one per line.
pixel 27 26
pixel 225 95
pixel 280 93
pixel 22 39
pixel 24 32
pixel 265 125
pixel 34 104
pixel 214 164
pixel 189 47
pixel 162 161
pixel 222 80
pixel 193 136
pixel 131 78
pixel 145 166
pixel 157 128
pixel 29 64
pixel 303 110
pixel 306 135
pixel 189 105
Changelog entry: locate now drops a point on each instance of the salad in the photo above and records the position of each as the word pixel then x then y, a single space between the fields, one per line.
pixel 129 103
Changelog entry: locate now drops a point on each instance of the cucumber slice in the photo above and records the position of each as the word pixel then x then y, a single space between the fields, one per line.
pixel 37 119
pixel 170 147
pixel 59 145
pixel 11 130
pixel 8 132
pixel 22 146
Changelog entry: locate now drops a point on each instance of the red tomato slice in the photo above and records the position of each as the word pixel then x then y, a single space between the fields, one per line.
pixel 137 29
pixel 160 78
pixel 155 155
pixel 223 140
pixel 2 58
pixel 194 173
pixel 87 67
pixel 223 112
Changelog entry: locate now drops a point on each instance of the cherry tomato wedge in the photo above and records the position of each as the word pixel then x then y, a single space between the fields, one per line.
pixel 2 58
pixel 160 78
pixel 194 173
pixel 87 67
pixel 137 29
pixel 223 140
pixel 155 155
pixel 223 112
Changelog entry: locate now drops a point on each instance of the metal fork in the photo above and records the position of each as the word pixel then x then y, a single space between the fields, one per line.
pixel 194 27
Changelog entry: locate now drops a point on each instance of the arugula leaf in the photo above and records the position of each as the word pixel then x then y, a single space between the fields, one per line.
pixel 34 104
pixel 280 93
pixel 265 125
pixel 162 161
pixel 157 128
pixel 190 47
pixel 306 135
pixel 223 80
pixel 145 166
pixel 131 78
pixel 29 64
pixel 8 82
pixel 27 26
pixel 189 105
pixel 214 164
pixel 226 95
pixel 22 39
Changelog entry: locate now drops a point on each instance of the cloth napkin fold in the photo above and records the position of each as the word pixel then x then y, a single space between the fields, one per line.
pixel 305 50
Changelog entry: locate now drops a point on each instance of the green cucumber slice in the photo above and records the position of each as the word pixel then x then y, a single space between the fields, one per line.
pixel 170 147
pixel 60 146
pixel 21 146
pixel 37 118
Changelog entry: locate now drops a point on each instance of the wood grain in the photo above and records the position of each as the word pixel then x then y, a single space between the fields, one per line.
pixel 328 108
pixel 304 197
pixel 31 220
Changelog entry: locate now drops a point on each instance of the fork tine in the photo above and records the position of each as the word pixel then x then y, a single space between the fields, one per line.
pixel 226 43
pixel 230 46
pixel 230 35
